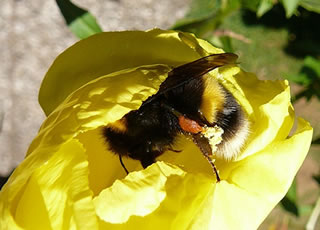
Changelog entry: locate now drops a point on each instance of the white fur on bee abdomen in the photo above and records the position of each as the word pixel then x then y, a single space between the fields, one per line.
pixel 230 148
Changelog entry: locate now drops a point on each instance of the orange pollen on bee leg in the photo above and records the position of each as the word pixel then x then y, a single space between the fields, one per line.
pixel 189 125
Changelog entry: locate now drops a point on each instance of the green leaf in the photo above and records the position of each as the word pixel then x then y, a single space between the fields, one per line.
pixel 230 5
pixel 227 44
pixel 85 26
pixel 205 16
pixel 289 202
pixel 309 73
pixel 80 21
pixel 290 6
pixel 300 78
pixel 252 5
pixel 313 64
pixel 199 10
pixel 311 5
pixel 264 6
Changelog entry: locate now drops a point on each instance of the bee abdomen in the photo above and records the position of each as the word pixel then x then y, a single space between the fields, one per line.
pixel 235 125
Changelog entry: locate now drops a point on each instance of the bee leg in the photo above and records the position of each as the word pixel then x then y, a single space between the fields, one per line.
pixel 213 167
pixel 122 164
pixel 206 150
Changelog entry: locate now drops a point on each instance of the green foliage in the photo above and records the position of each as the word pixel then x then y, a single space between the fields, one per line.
pixel 226 43
pixel 203 16
pixel 309 73
pixel 309 77
pixel 200 10
pixel 289 202
pixel 250 4
pixel 311 5
pixel 290 6
pixel 80 21
pixel 258 6
pixel 264 6
pixel 206 16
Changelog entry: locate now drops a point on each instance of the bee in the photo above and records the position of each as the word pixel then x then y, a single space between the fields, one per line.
pixel 188 102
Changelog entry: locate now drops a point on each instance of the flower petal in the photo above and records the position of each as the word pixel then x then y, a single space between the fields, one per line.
pixel 110 52
pixel 181 196
pixel 267 104
pixel 99 102
pixel 194 201
pixel 51 158
pixel 257 183
pixel 139 194
pixel 54 194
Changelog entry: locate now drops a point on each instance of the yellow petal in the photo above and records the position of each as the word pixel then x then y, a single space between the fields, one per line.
pixel 54 194
pixel 256 184
pixel 139 194
pixel 110 52
pixel 51 160
pixel 181 196
pixel 99 102
pixel 267 104
pixel 193 201
pixel 277 164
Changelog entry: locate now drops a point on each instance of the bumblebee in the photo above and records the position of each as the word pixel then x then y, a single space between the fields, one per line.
pixel 189 102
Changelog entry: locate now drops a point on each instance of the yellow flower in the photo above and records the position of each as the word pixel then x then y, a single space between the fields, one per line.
pixel 69 179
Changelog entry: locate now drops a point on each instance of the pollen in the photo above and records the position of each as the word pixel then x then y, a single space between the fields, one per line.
pixel 214 136
pixel 189 125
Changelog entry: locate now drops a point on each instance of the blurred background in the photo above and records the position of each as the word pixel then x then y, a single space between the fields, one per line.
pixel 274 39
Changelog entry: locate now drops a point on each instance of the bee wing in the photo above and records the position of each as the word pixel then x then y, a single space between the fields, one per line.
pixel 184 73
